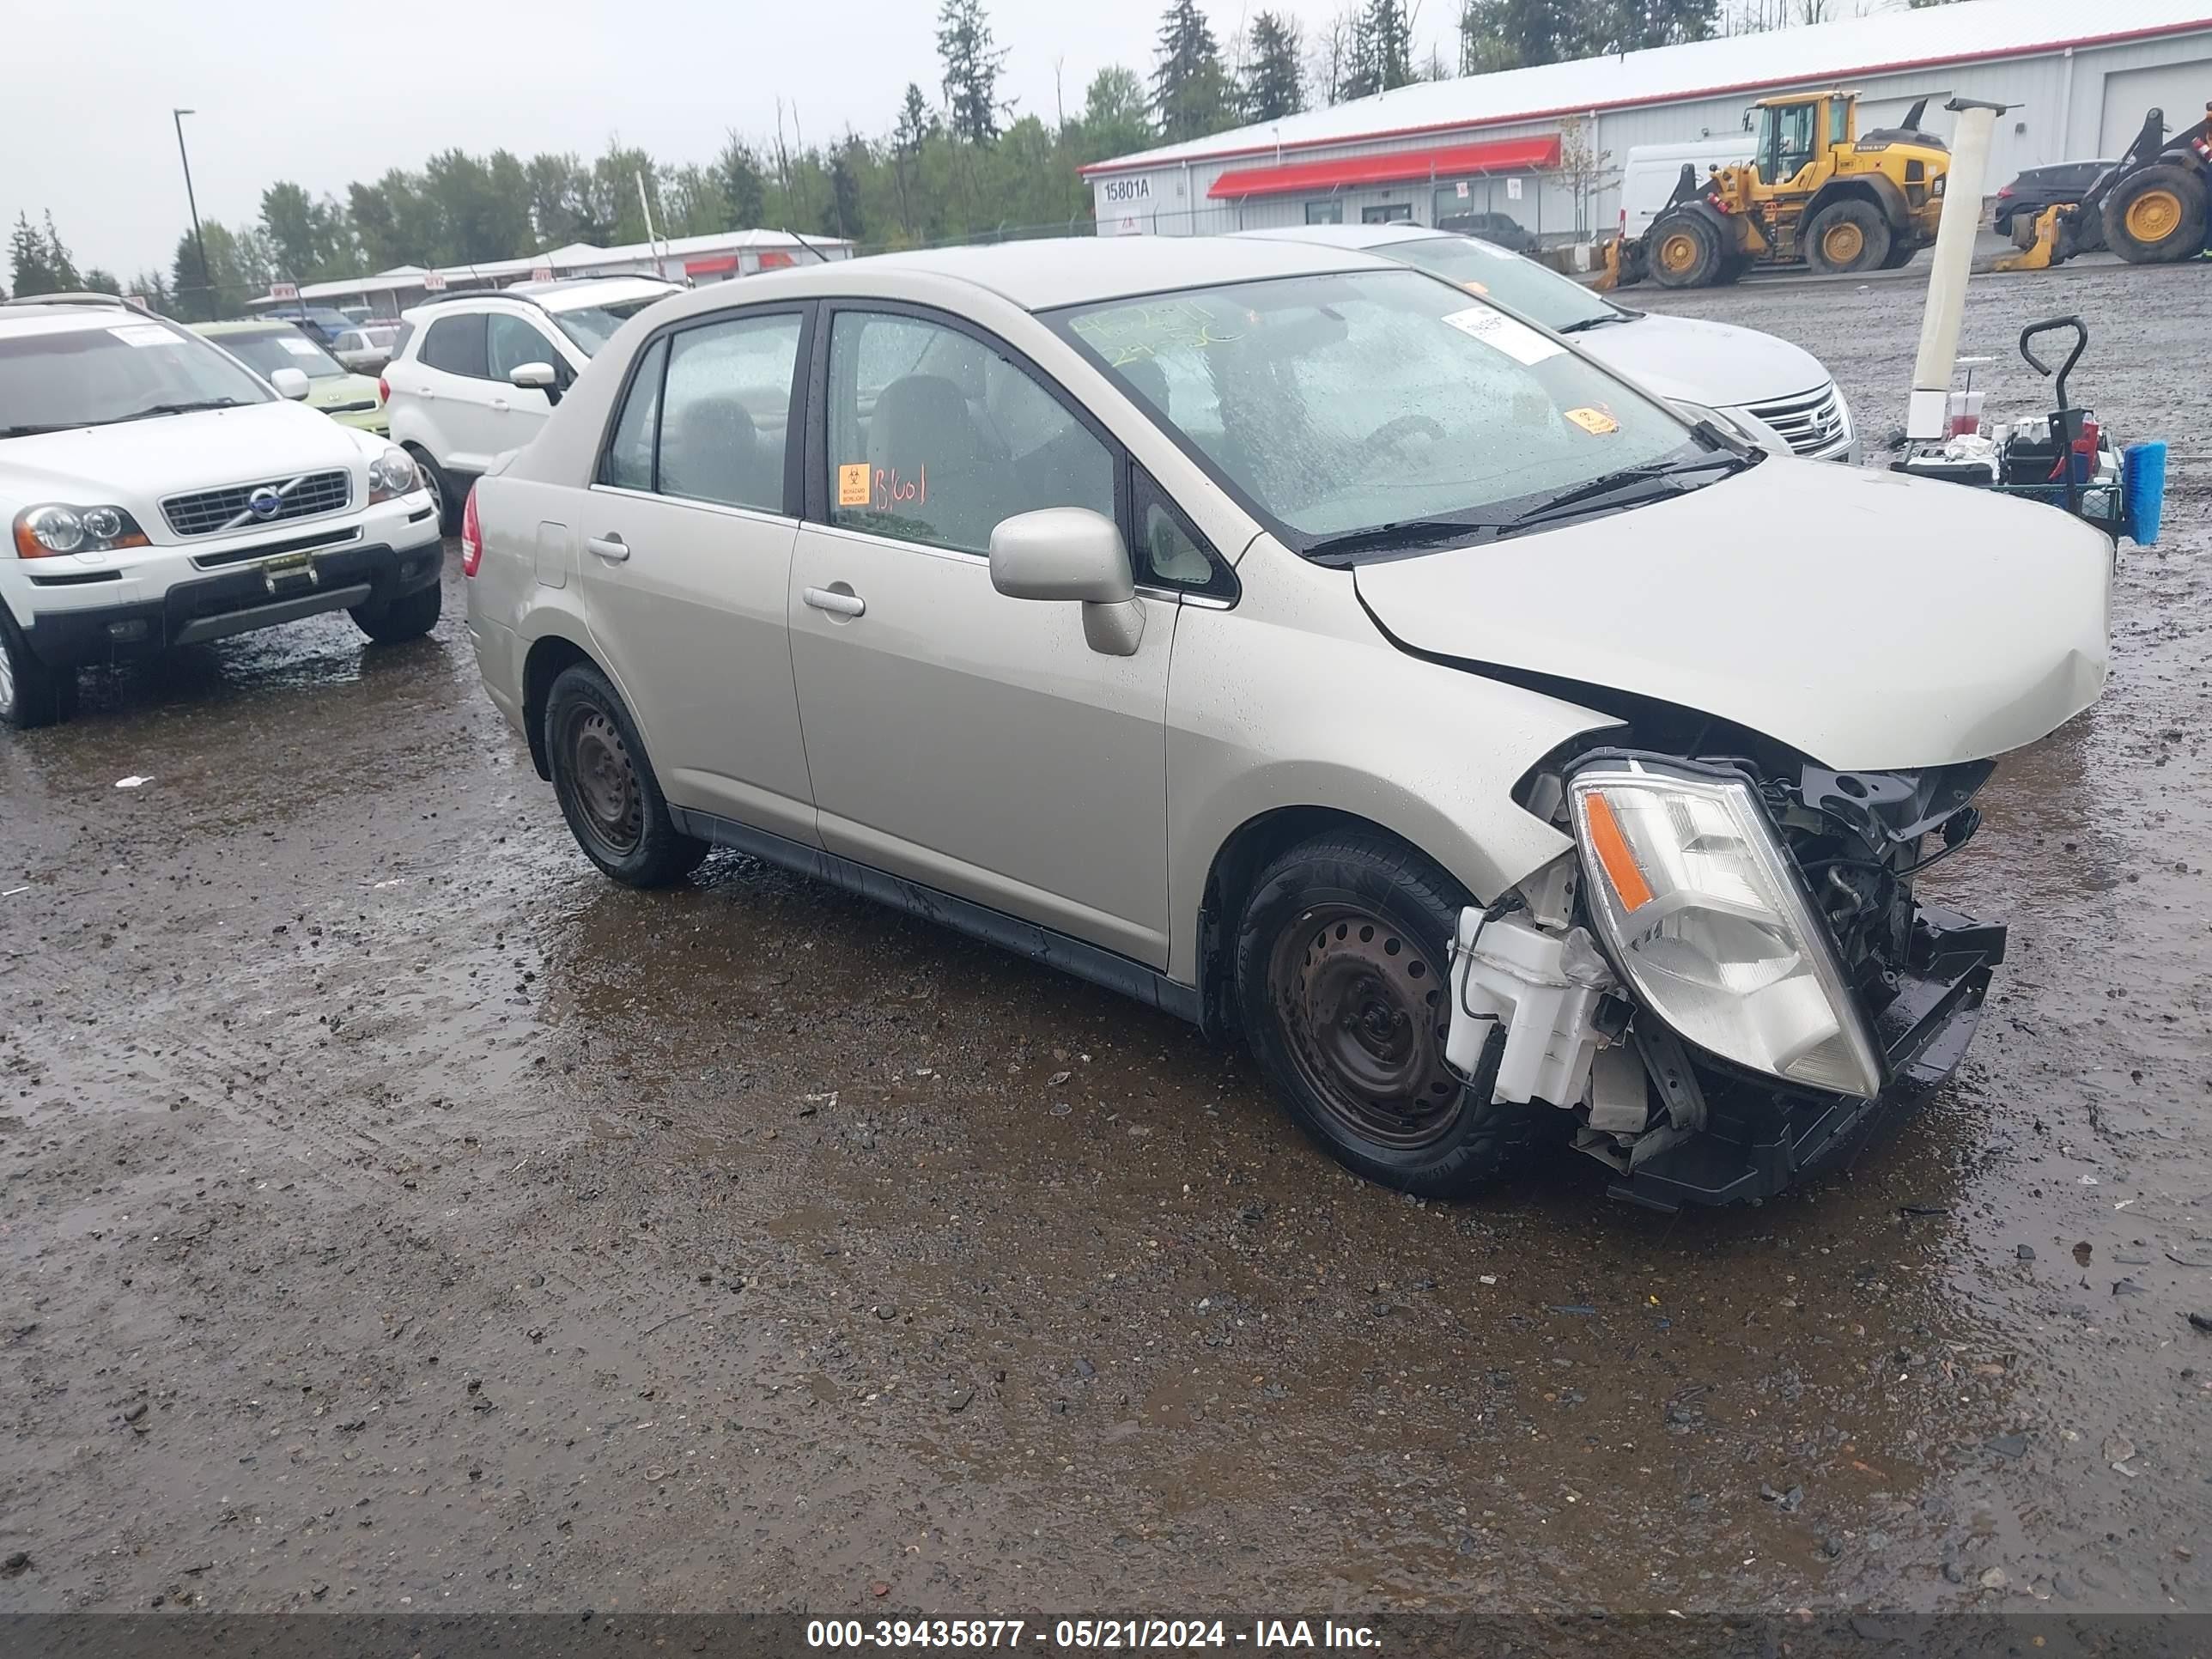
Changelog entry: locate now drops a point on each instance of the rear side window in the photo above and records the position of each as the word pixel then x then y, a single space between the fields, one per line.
pixel 456 344
pixel 628 463
pixel 724 409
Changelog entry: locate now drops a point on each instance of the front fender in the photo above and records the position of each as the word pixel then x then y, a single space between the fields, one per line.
pixel 1295 698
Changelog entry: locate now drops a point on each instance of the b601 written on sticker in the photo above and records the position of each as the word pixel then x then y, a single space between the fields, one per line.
pixel 884 489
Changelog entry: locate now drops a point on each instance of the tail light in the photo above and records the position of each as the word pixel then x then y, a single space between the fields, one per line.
pixel 472 535
pixel 2003 190
pixel 383 389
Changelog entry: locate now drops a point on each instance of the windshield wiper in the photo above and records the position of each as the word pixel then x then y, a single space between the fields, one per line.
pixel 1582 324
pixel 192 408
pixel 1399 533
pixel 1613 483
pixel 33 431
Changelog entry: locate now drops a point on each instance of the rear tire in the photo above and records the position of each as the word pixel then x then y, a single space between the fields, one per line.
pixel 442 490
pixel 1847 237
pixel 606 787
pixel 1343 988
pixel 32 694
pixel 2157 216
pixel 1683 250
pixel 407 617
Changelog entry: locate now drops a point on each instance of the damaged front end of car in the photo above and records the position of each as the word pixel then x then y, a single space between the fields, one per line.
pixel 1729 982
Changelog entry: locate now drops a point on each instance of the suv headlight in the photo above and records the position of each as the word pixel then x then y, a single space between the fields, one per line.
pixel 53 528
pixel 392 474
pixel 1691 891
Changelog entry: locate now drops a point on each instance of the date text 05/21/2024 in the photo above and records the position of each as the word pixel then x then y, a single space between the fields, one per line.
pixel 1086 1633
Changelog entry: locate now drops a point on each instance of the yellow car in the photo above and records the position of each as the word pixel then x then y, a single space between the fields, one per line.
pixel 349 398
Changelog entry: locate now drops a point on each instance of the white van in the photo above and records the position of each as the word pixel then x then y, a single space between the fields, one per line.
pixel 1648 178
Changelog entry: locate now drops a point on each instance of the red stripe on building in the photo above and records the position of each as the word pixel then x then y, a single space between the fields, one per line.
pixel 1306 178
pixel 728 262
pixel 1826 78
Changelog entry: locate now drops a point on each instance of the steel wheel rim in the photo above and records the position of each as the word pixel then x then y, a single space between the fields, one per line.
pixel 1842 243
pixel 1679 251
pixel 6 679
pixel 1362 1006
pixel 603 782
pixel 2152 216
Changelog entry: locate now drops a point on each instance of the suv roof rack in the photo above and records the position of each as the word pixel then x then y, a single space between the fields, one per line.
pixel 72 298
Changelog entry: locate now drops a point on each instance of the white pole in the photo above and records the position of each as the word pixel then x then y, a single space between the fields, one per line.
pixel 1949 267
pixel 651 240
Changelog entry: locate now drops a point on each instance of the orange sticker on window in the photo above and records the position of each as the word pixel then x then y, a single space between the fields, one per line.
pixel 1596 422
pixel 853 484
pixel 1480 290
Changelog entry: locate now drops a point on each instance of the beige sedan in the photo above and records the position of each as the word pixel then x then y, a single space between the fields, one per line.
pixel 1308 647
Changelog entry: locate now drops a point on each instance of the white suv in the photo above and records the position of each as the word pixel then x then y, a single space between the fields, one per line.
pixel 157 492
pixel 476 376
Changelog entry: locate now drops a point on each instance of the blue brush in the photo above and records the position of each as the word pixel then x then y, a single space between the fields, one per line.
pixel 2143 489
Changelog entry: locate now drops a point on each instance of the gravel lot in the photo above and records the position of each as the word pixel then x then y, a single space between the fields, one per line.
pixel 398 1215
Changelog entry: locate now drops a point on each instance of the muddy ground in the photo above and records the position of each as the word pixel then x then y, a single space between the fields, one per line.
pixel 397 1214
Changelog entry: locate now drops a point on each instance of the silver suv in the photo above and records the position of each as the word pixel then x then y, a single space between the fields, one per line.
pixel 1314 650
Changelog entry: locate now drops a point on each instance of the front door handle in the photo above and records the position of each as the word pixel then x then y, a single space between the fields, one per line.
pixel 837 602
pixel 499 405
pixel 612 549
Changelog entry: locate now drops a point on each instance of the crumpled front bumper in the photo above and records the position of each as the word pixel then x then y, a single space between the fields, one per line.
pixel 1759 1139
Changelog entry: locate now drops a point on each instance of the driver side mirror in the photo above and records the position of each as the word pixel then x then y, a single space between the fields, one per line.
pixel 289 383
pixel 539 377
pixel 1071 553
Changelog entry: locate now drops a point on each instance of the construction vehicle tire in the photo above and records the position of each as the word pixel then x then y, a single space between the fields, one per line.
pixel 1899 255
pixel 1732 268
pixel 2023 231
pixel 1845 237
pixel 2156 217
pixel 1683 250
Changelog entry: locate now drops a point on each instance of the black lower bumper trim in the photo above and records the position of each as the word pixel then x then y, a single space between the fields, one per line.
pixel 1759 1139
pixel 236 601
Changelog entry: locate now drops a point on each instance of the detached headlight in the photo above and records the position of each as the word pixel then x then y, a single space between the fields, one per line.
pixel 1689 886
pixel 392 474
pixel 53 528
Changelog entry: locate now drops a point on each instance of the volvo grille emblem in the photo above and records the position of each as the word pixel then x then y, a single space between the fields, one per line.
pixel 264 503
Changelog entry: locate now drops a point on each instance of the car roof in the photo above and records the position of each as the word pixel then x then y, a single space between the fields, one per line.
pixel 63 318
pixel 563 294
pixel 1044 275
pixel 1352 236
pixel 242 326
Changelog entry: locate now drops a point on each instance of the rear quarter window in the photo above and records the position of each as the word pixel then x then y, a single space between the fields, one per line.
pixel 456 344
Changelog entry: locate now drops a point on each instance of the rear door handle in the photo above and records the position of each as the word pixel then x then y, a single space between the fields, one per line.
pixel 841 605
pixel 612 549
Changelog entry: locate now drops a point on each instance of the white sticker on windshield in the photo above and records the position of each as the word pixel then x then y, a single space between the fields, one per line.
pixel 1523 344
pixel 301 348
pixel 143 334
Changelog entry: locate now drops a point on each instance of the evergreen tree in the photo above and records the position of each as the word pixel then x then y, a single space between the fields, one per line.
pixel 1274 86
pixel 1190 93
pixel 971 69
pixel 743 186
pixel 1116 115
pixel 27 255
pixel 1382 49
pixel 97 281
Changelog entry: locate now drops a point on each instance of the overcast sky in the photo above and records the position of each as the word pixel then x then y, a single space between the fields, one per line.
pixel 327 94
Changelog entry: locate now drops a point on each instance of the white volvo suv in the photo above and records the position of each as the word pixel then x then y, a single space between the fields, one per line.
pixel 156 492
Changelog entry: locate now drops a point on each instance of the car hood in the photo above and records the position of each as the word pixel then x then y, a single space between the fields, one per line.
pixel 1871 621
pixel 1716 364
pixel 331 391
pixel 134 463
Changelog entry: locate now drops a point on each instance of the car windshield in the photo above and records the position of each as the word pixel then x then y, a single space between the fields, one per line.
pixel 1491 273
pixel 68 375
pixel 593 326
pixel 268 349
pixel 1363 402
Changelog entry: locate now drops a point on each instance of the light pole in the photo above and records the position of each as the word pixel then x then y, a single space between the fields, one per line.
pixel 199 242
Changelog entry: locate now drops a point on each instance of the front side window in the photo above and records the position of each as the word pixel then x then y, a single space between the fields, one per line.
pixel 593 326
pixel 268 349
pixel 936 437
pixel 62 374
pixel 511 342
pixel 1343 403
pixel 725 409
pixel 1787 140
pixel 456 344
pixel 628 463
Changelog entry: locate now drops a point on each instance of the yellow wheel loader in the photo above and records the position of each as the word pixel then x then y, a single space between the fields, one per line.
pixel 2152 207
pixel 1816 191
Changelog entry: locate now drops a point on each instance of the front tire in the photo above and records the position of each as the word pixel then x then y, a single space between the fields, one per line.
pixel 1343 984
pixel 1849 237
pixel 1683 250
pixel 2157 216
pixel 407 617
pixel 32 694
pixel 606 786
